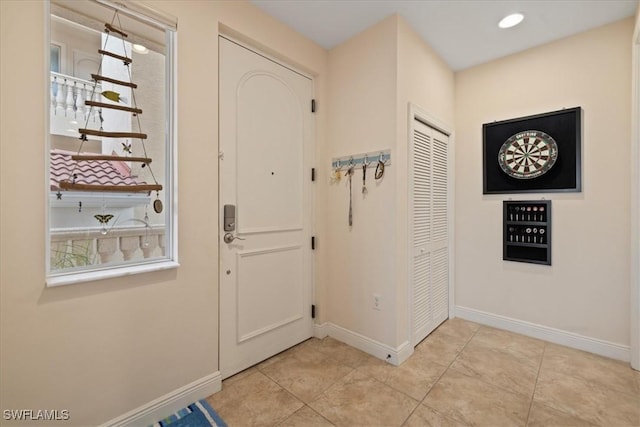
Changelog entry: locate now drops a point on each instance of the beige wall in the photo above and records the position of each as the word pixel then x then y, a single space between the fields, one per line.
pixel 101 349
pixel 361 104
pixel 373 77
pixel 586 291
pixel 635 201
pixel 425 80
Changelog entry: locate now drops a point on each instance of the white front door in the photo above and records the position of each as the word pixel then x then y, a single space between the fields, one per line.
pixel 265 172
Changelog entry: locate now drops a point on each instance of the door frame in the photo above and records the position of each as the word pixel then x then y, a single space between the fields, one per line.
pixel 420 114
pixel 237 38
pixel 635 202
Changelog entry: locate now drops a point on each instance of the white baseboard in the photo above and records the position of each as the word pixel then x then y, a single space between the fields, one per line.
pixel 395 356
pixel 166 405
pixel 404 352
pixel 546 333
pixel 320 331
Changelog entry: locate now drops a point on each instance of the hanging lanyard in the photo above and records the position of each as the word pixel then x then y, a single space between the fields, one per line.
pixel 350 173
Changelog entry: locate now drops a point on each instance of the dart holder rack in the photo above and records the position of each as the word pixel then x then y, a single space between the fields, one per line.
pixel 526 231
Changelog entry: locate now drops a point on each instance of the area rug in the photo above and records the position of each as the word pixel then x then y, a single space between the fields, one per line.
pixel 198 414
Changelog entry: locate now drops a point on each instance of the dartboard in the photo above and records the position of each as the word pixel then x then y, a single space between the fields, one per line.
pixel 528 154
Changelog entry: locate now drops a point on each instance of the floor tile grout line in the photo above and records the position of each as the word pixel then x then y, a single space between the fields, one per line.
pixel 597 383
pixel 233 384
pixel 562 411
pixel 354 371
pixel 451 363
pixel 320 415
pixel 380 381
pixel 404 392
pixel 535 386
pixel 476 378
pixel 385 382
pixel 317 394
pixel 290 394
pixel 506 351
pixel 310 408
pixel 257 371
pixel 485 381
pixel 441 375
pixel 501 388
pixel 445 371
pixel 296 349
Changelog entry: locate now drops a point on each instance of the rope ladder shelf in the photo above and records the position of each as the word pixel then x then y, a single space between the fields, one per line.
pixel 96 157
pixel 113 106
pixel 124 59
pixel 135 188
pixel 114 98
pixel 109 134
pixel 98 77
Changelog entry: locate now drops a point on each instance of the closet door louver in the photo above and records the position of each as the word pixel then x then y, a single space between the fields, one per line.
pixel 430 229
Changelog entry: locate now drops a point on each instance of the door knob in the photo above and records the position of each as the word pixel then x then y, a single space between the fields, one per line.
pixel 229 237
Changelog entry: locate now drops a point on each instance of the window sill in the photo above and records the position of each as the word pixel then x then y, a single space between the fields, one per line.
pixel 61 279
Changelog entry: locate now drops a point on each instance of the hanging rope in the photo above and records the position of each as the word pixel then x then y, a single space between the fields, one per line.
pixel 83 137
pixel 135 104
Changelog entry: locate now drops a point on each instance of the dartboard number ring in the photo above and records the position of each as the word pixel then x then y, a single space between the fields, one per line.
pixel 529 154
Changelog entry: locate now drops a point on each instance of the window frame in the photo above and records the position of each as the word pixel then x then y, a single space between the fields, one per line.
pixel 170 259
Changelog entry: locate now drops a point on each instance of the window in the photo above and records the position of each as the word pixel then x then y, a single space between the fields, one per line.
pixel 111 144
pixel 56 58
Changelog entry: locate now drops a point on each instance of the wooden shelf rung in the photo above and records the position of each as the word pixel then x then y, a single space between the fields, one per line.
pixel 138 188
pixel 113 106
pixel 111 28
pixel 113 134
pixel 93 157
pixel 115 55
pixel 98 77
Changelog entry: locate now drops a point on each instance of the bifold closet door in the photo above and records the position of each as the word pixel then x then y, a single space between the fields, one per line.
pixel 429 229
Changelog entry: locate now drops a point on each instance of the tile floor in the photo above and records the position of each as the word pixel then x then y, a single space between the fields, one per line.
pixel 463 374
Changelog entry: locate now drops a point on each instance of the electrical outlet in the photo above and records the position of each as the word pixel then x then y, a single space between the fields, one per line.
pixel 377 302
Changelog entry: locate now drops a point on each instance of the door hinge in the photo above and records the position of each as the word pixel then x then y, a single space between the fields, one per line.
pixel 313 311
pixel 313 174
pixel 313 243
pixel 313 105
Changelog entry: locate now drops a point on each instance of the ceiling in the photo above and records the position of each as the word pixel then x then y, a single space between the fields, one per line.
pixel 463 32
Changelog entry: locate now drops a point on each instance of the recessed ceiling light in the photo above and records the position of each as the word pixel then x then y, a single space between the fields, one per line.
pixel 140 49
pixel 511 20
